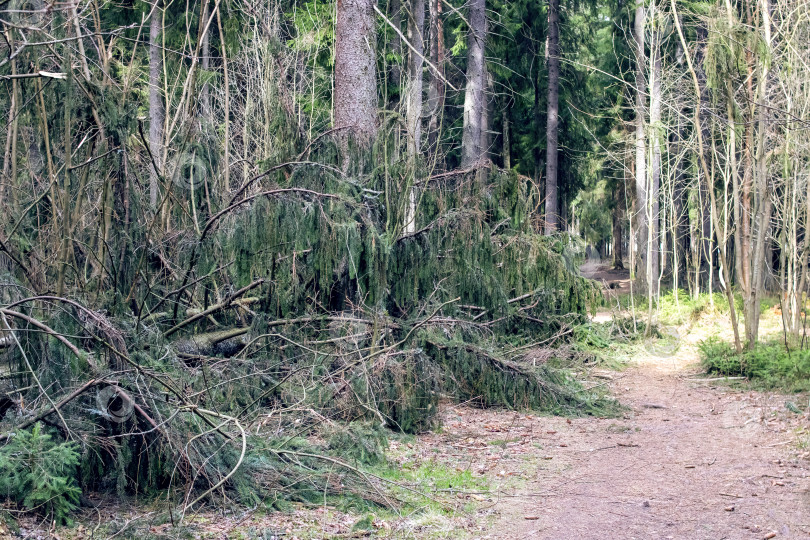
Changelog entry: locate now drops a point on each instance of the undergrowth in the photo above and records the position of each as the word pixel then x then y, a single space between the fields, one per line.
pixel 39 473
pixel 769 365
pixel 676 308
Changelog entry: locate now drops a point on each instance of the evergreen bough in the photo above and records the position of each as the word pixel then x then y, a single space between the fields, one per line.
pixel 39 473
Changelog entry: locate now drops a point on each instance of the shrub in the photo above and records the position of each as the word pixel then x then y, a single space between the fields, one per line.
pixel 40 474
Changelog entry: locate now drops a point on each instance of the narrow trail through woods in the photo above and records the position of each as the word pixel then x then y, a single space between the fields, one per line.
pixel 689 459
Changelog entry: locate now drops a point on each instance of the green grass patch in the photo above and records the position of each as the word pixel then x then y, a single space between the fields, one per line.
pixel 770 365
pixel 680 308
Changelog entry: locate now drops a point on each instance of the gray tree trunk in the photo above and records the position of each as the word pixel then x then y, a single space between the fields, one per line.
pixel 436 87
pixel 156 113
pixel 641 149
pixel 618 233
pixel 474 93
pixel 552 217
pixel 413 117
pixel 761 199
pixel 653 203
pixel 507 142
pixel 205 64
pixel 416 27
pixel 486 115
pixel 355 100
pixel 395 14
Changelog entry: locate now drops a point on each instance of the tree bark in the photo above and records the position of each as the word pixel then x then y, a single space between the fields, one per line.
pixel 653 204
pixel 416 26
pixel 474 93
pixel 205 65
pixel 552 217
pixel 395 13
pixel 436 86
pixel 355 100
pixel 761 201
pixel 507 143
pixel 641 148
pixel 618 233
pixel 706 245
pixel 486 115
pixel 156 113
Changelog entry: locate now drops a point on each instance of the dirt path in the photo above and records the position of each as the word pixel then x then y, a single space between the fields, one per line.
pixel 689 460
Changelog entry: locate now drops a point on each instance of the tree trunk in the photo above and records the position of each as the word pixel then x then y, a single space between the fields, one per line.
pixel 641 149
pixel 474 93
pixel 205 65
pixel 653 255
pixel 552 217
pixel 416 27
pixel 618 233
pixel 486 115
pixel 355 100
pixel 538 134
pixel 156 112
pixel 436 86
pixel 761 202
pixel 507 146
pixel 395 13
pixel 680 212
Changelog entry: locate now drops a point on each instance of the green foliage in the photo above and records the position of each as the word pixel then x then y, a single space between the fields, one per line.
pixel 768 364
pixel 676 308
pixel 481 374
pixel 40 474
pixel 360 442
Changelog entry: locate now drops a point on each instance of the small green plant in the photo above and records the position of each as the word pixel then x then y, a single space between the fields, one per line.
pixel 40 474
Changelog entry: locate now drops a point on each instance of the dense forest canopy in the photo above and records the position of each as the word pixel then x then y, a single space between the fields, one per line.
pixel 215 211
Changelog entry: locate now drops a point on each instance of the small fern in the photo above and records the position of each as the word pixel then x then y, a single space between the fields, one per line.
pixel 40 474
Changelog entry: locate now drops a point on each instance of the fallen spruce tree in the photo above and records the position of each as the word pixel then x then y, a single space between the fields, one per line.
pixel 243 362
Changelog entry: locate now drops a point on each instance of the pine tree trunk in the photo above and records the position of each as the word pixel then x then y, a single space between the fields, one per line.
pixel 486 115
pixel 706 244
pixel 552 217
pixel 156 113
pixel 355 100
pixel 474 93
